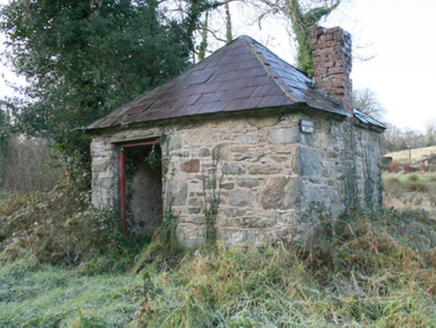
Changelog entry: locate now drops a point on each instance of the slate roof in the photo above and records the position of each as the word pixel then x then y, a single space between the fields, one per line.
pixel 368 120
pixel 242 75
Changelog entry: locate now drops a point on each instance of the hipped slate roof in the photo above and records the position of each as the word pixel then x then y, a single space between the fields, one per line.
pixel 242 75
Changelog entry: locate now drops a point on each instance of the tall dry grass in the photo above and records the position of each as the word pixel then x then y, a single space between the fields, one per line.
pixel 60 227
pixel 371 271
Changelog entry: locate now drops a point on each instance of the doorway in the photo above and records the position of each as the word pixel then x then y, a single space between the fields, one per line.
pixel 140 173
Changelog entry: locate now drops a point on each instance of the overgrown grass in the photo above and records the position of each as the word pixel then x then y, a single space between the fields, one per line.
pixel 362 271
pixel 63 264
pixel 378 273
pixel 61 228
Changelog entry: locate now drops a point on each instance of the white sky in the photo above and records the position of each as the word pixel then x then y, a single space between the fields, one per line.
pixel 402 73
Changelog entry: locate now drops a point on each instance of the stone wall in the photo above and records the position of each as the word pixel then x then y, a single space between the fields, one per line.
pixel 104 173
pixel 269 173
pixel 257 176
pixel 340 167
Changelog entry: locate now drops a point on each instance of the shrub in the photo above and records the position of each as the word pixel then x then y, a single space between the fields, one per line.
pixel 413 177
pixel 386 162
pixel 422 167
pixel 60 227
pixel 393 166
pixel 406 168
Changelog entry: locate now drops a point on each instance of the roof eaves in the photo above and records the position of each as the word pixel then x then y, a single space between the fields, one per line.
pixel 368 120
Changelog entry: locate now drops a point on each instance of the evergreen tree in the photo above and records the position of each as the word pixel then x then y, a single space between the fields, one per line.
pixel 85 58
pixel 6 135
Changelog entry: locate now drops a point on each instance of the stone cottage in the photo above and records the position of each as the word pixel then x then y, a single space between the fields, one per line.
pixel 249 132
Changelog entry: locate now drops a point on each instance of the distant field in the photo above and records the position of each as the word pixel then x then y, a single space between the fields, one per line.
pixel 418 154
pixel 410 191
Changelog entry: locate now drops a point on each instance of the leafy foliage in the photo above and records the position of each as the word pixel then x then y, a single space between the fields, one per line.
pixel 301 24
pixel 85 60
pixel 6 132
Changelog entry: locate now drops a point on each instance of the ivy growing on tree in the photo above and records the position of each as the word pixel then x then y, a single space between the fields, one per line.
pixel 229 36
pixel 302 14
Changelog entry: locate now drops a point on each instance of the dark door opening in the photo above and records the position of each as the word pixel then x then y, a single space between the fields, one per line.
pixel 141 188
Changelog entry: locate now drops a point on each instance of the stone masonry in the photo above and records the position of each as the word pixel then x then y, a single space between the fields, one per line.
pixel 269 172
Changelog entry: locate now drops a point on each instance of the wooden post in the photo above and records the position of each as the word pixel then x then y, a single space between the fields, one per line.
pixel 410 155
pixel 122 188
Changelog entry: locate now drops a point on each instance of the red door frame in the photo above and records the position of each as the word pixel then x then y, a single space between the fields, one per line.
pixel 122 178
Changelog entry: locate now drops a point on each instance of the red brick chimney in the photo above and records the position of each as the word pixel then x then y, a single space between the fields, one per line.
pixel 331 51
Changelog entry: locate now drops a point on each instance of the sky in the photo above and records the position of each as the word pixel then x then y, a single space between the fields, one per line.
pixel 403 71
pixel 397 34
pixel 399 37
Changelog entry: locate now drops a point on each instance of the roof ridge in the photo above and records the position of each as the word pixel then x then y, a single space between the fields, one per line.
pixel 254 52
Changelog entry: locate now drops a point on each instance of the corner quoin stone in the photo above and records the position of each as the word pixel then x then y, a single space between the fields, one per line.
pixel 309 163
pixel 280 193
